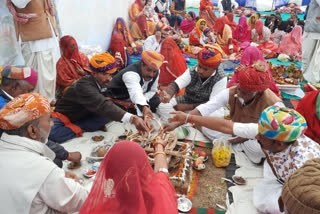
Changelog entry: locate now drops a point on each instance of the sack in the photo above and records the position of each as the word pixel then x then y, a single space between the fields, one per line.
pixel 221 152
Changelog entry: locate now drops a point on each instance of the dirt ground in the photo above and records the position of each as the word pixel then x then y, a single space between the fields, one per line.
pixel 211 190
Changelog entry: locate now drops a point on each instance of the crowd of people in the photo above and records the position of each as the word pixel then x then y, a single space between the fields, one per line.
pixel 56 97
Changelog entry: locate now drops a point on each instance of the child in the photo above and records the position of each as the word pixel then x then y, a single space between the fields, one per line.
pixel 150 13
pixel 207 37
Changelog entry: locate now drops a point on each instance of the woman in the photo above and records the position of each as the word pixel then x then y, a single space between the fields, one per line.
pixel 140 27
pixel 72 65
pixel 188 23
pixel 292 42
pixel 279 33
pixel 224 36
pixel 261 35
pixel 126 183
pixel 231 21
pixel 252 21
pixel 121 41
pixel 207 12
pixel 249 57
pixel 242 33
pixel 176 62
pixel 195 34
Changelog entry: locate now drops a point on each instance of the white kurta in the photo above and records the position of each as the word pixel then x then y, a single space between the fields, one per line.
pixel 42 55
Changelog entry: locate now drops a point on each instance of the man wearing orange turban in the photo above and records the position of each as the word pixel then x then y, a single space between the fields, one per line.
pixel 201 82
pixel 139 83
pixel 84 105
pixel 28 172
pixel 247 101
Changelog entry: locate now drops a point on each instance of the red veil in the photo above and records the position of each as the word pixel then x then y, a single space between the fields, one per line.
pixel 176 62
pixel 126 184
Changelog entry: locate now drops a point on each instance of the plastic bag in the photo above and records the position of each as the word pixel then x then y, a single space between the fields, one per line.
pixel 221 152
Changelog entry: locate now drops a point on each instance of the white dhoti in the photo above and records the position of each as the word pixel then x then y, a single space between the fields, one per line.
pixel 44 64
pixel 311 57
pixel 267 192
pixel 250 147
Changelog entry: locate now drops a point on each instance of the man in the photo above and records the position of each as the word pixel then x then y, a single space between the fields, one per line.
pixel 279 131
pixel 153 42
pixel 305 181
pixel 35 28
pixel 84 105
pixel 30 181
pixel 138 83
pixel 178 9
pixel 201 82
pixel 226 6
pixel 17 80
pixel 310 45
pixel 246 100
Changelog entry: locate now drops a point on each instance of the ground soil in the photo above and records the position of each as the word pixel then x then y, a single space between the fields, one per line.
pixel 211 190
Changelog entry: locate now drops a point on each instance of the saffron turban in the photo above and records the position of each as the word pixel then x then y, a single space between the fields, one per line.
pixel 20 73
pixel 152 59
pixel 104 63
pixel 209 58
pixel 282 124
pixel 22 109
pixel 252 79
pixel 301 191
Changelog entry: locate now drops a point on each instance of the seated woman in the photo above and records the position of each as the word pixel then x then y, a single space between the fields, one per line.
pixel 242 33
pixel 250 56
pixel 309 108
pixel 188 24
pixel 207 12
pixel 261 36
pixel 122 43
pixel 126 183
pixel 279 32
pixel 72 65
pixel 292 43
pixel 141 27
pixel 252 21
pixel 194 38
pixel 224 36
pixel 231 21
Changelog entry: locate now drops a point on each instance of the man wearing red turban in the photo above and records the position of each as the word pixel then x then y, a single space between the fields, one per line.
pixel 201 82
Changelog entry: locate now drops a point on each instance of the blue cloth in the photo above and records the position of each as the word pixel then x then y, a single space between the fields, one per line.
pixel 59 133
pixel 2 102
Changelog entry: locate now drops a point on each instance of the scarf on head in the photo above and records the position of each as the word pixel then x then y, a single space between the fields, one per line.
pixel 23 18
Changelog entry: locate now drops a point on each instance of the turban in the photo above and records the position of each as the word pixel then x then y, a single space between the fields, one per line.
pixel 152 58
pixel 103 62
pixel 206 30
pixel 301 191
pixel 22 109
pixel 209 58
pixel 282 124
pixel 251 79
pixel 20 73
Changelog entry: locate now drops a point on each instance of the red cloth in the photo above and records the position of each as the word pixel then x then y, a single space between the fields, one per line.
pixel 242 33
pixel 68 62
pixel 187 26
pixel 259 28
pixel 126 184
pixel 176 63
pixel 252 80
pixel 219 25
pixel 207 13
pixel 250 56
pixel 231 21
pixel 194 37
pixel 307 108
pixel 292 42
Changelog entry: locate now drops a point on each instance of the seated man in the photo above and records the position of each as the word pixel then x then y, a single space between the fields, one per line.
pixel 178 9
pixel 30 181
pixel 246 100
pixel 138 83
pixel 84 105
pixel 201 82
pixel 226 6
pixel 153 42
pixel 280 133
pixel 18 80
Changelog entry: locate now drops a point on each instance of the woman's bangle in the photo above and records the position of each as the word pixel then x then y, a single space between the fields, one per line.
pixel 187 118
pixel 156 143
pixel 157 153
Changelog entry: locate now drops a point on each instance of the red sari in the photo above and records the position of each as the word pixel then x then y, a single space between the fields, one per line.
pixel 126 184
pixel 308 107
pixel 231 22
pixel 207 13
pixel 176 63
pixel 242 33
pixel 68 62
pixel 194 38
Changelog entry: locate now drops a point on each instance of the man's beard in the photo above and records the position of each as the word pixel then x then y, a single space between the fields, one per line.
pixel 241 100
pixel 43 135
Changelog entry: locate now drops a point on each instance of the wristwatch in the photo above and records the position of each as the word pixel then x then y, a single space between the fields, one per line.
pixel 165 170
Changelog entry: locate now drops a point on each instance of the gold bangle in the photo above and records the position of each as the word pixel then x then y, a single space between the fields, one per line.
pixel 157 153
